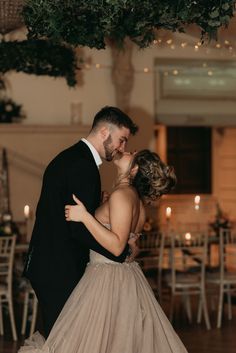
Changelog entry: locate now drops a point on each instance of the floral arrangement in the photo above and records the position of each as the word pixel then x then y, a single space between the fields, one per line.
pixel 91 22
pixel 150 225
pixel 7 226
pixel 221 220
pixel 5 230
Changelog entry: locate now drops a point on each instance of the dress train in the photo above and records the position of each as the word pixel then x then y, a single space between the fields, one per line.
pixel 111 310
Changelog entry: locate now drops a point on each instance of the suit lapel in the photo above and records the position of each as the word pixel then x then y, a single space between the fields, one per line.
pixel 84 149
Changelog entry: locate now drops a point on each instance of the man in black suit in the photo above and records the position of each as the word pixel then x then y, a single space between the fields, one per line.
pixel 59 251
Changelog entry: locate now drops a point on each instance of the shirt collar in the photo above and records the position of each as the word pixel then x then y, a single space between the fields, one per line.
pixel 94 152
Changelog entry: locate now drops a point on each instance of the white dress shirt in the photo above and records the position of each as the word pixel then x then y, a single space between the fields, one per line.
pixel 94 152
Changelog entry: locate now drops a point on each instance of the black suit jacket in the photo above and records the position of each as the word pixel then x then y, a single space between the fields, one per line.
pixel 59 250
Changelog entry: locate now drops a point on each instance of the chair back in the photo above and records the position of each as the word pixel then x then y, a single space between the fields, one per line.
pixel 151 250
pixel 151 258
pixel 188 256
pixel 149 240
pixel 227 251
pixel 7 249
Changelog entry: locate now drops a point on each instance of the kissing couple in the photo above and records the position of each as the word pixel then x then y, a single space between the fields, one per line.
pixel 81 263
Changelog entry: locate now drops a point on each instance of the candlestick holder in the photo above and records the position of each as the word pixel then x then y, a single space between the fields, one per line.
pixel 28 222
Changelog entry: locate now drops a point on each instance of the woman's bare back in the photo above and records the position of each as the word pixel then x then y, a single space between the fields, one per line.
pixel 138 211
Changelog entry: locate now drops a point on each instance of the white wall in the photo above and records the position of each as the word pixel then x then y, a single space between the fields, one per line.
pixel 48 101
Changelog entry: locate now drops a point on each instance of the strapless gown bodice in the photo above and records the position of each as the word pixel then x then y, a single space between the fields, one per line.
pixel 96 258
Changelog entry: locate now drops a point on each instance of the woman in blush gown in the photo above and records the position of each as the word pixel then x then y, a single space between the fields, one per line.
pixel 113 308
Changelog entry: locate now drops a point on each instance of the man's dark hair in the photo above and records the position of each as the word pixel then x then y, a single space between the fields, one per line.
pixel 116 117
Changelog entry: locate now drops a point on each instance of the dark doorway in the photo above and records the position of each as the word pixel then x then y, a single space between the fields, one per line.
pixel 189 151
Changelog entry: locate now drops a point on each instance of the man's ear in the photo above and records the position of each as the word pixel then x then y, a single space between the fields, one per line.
pixel 134 171
pixel 104 132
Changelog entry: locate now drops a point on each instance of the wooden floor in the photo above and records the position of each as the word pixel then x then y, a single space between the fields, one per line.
pixel 195 337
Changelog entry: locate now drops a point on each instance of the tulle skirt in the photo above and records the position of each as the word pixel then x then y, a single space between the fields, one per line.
pixel 111 310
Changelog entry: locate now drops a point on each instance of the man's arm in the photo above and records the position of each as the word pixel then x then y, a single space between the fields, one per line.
pixel 121 211
pixel 85 184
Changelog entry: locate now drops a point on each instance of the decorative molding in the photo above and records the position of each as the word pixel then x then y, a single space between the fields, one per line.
pixel 58 129
pixel 188 119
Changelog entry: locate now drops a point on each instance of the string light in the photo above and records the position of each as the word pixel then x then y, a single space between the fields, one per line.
pixel 225 46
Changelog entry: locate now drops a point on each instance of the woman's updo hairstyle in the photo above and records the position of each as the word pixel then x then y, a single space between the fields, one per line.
pixel 153 178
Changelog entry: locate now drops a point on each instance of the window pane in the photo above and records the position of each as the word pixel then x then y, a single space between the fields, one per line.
pixel 189 151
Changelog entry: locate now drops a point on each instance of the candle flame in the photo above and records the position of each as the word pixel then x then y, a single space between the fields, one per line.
pixel 188 236
pixel 197 199
pixel 168 212
pixel 26 211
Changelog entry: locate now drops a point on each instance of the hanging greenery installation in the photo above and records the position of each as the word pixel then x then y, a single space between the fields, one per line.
pixel 39 57
pixel 91 22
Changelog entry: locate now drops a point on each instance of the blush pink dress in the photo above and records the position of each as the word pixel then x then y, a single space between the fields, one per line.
pixel 111 310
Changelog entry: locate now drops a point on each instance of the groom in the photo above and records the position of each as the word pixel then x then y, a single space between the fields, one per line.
pixel 59 251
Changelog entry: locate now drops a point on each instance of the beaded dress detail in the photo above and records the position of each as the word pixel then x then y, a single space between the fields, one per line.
pixel 111 310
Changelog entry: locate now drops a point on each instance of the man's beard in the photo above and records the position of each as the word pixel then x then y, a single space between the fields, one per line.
pixel 108 150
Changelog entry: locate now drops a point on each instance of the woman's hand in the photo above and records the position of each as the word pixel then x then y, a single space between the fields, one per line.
pixel 133 247
pixel 77 212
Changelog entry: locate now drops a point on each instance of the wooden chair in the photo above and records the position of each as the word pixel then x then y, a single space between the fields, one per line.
pixel 225 278
pixel 7 248
pixel 151 258
pixel 188 256
pixel 30 298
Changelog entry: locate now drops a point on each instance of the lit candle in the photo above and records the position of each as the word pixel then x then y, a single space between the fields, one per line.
pixel 27 222
pixel 197 202
pixel 188 238
pixel 168 213
pixel 26 211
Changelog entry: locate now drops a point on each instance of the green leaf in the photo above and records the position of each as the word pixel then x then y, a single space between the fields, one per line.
pixel 225 6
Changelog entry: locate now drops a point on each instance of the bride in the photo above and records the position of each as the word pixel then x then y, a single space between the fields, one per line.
pixel 113 308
